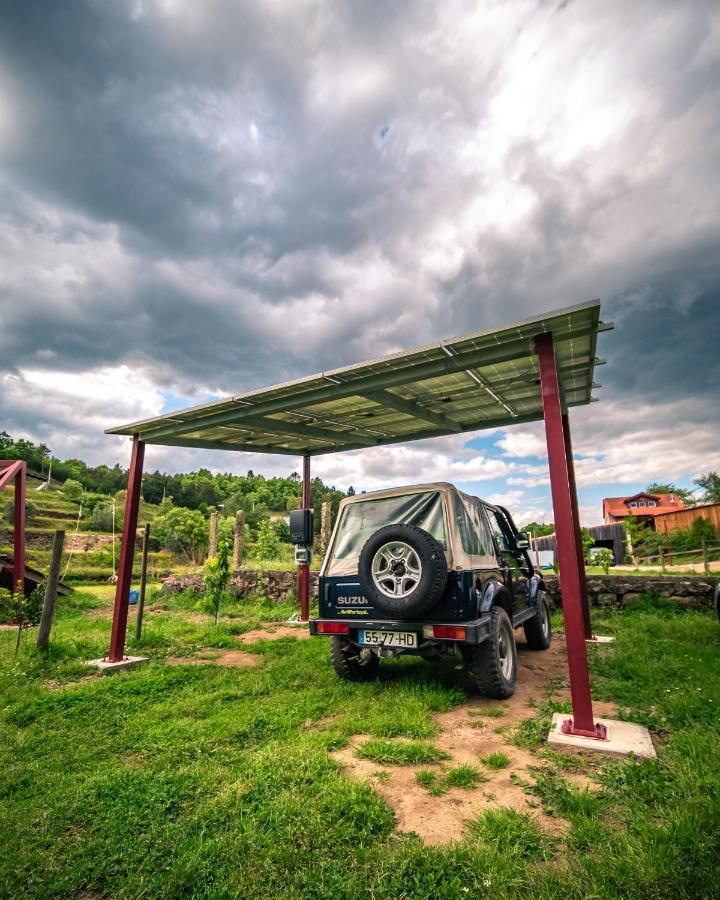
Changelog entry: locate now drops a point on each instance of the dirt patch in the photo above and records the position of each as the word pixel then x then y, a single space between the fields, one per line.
pixel 469 733
pixel 274 633
pixel 52 685
pixel 8 627
pixel 216 658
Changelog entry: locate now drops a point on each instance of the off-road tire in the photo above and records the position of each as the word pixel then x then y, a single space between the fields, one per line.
pixel 485 662
pixel 346 661
pixel 538 630
pixel 433 579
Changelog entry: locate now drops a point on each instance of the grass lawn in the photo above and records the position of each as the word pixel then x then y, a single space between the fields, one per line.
pixel 202 780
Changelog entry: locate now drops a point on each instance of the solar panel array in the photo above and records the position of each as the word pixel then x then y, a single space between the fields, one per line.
pixel 481 380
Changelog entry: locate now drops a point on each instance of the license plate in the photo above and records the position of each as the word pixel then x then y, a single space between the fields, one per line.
pixel 389 638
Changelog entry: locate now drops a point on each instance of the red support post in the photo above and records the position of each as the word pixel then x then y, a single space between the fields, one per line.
pixel 19 530
pixel 304 568
pixel 578 531
pixel 16 470
pixel 582 722
pixel 127 552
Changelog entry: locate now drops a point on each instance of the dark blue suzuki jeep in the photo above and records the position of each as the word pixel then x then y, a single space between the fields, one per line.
pixel 429 570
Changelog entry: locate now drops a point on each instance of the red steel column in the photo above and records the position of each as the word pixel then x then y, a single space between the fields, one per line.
pixel 582 722
pixel 19 531
pixel 578 531
pixel 127 552
pixel 304 569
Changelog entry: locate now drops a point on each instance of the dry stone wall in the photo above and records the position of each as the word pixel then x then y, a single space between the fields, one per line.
pixel 603 590
pixel 276 585
pixel 619 590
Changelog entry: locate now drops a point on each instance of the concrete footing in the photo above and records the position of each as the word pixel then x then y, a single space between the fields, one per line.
pixel 105 667
pixel 623 738
pixel 600 639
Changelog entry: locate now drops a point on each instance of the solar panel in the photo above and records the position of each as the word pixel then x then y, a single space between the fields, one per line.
pixel 483 380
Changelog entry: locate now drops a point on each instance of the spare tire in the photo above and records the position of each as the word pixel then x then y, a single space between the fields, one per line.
pixel 402 571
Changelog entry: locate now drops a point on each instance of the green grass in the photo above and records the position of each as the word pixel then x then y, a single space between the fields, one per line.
pixel 400 753
pixel 492 712
pixel 439 782
pixel 497 760
pixel 218 782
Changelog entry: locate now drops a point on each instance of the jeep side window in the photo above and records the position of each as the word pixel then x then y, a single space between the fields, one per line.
pixel 472 528
pixel 468 538
pixel 498 529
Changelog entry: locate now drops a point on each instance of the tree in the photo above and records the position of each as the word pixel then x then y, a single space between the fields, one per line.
pixel 587 541
pixel 709 483
pixel 635 532
pixel 21 610
pixel 72 490
pixel 268 543
pixel 539 529
pixel 183 531
pixel 217 578
pixel 667 487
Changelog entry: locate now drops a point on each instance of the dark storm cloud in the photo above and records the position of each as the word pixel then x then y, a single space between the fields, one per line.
pixel 227 194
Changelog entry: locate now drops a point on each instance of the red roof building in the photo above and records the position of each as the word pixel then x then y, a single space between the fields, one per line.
pixel 643 505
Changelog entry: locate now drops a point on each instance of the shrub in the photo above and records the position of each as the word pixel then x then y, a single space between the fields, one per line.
pixel 101 518
pixel 268 543
pixel 72 490
pixel 217 577
pixel 30 511
pixel 21 610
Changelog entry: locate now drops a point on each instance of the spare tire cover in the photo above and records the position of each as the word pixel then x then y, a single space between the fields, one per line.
pixel 402 571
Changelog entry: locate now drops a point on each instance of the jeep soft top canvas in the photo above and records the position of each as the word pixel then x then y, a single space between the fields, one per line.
pixel 427 569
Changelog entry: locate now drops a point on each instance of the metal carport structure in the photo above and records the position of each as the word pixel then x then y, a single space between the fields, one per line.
pixel 534 369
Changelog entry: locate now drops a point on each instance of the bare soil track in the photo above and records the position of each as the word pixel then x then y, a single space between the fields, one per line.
pixel 469 733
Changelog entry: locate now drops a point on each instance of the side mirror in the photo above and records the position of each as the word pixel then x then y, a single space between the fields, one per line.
pixel 522 541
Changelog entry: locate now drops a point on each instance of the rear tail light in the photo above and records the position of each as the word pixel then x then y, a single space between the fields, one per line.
pixel 332 628
pixel 451 632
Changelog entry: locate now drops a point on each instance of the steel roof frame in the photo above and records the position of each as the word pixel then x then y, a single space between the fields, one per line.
pixel 534 340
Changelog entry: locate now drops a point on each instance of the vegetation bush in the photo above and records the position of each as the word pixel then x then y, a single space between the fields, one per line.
pixel 31 511
pixel 72 489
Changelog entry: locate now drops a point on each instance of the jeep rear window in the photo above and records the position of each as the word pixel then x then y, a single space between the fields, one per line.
pixel 361 519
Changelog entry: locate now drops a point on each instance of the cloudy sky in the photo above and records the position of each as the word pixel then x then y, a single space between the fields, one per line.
pixel 198 198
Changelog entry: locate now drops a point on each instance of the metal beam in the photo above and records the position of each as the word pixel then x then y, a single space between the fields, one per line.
pixel 582 722
pixel 411 408
pixel 222 445
pixel 477 359
pixel 16 469
pixel 304 568
pixel 278 426
pixel 127 552
pixel 579 549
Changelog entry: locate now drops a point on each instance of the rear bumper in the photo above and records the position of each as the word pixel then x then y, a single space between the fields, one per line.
pixel 476 631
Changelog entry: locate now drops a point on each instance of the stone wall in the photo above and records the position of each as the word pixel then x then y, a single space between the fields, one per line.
pixel 275 585
pixel 621 590
pixel 603 590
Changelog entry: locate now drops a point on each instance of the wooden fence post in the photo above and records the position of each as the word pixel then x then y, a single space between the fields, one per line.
pixel 706 564
pixel 43 637
pixel 239 538
pixel 212 538
pixel 325 526
pixel 661 554
pixel 143 583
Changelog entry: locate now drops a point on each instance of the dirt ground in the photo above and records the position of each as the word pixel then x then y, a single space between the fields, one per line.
pixel 209 656
pixel 274 633
pixel 467 734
